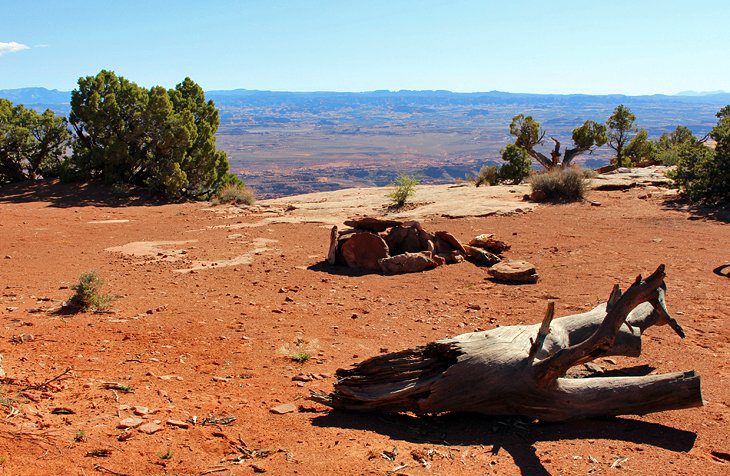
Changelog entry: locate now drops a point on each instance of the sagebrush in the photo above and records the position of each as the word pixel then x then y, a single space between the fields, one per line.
pixel 561 185
pixel 88 294
pixel 235 194
pixel 488 175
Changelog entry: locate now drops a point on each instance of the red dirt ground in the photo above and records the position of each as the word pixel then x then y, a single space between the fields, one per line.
pixel 215 342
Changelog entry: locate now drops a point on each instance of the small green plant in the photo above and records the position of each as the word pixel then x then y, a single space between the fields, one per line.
pixel 166 455
pixel 236 194
pixel 88 295
pixel 80 436
pixel 405 187
pixel 301 357
pixel 518 164
pixel 488 175
pixel 560 185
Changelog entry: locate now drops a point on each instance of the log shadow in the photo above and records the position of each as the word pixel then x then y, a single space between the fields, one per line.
pixel 514 436
pixel 722 270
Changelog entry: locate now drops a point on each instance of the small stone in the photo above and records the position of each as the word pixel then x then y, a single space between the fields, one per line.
pixel 178 424
pixel 489 243
pixel 595 204
pixel 258 469
pixel 150 428
pixel 538 196
pixel 283 409
pixel 8 257
pixel 474 307
pixel 138 410
pixel 131 422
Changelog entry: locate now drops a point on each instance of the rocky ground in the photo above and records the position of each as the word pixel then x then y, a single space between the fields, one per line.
pixel 224 320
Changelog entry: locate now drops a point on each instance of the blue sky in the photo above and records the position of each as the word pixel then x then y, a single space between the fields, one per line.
pixel 631 47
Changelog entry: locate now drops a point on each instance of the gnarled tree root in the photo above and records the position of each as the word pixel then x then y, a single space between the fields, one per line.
pixel 520 370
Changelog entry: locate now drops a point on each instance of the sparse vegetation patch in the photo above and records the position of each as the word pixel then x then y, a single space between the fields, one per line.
pixel 405 187
pixel 559 185
pixel 88 295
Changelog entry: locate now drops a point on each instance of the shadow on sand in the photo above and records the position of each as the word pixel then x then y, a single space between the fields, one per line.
pixel 503 434
pixel 67 195
pixel 698 212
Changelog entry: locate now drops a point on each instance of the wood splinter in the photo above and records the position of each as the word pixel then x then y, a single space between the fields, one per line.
pixel 507 371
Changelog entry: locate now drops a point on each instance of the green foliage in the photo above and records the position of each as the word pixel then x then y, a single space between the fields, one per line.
pixel 156 138
pixel 620 126
pixel 88 294
pixel 590 134
pixel 166 455
pixel 300 357
pixel 405 187
pixel 723 113
pixel 666 150
pixel 703 174
pixel 526 131
pixel 235 194
pixel 489 175
pixel 560 185
pixel 518 164
pixel 31 144
pixel 640 148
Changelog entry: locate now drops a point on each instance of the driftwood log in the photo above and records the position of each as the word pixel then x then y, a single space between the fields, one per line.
pixel 520 370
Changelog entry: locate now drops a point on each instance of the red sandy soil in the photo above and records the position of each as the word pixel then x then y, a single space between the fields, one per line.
pixel 215 342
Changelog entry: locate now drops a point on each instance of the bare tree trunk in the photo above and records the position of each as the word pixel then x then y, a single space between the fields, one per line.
pixel 520 370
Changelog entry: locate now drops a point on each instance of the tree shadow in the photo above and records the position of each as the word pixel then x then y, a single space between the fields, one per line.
pixel 698 212
pixel 511 435
pixel 67 195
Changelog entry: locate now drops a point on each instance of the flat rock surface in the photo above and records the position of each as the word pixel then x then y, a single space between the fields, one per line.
pixel 333 208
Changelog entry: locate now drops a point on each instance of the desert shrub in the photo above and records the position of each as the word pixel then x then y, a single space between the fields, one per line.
pixel 640 148
pixel 301 357
pixel 405 187
pixel 31 144
pixel 560 185
pixel 488 175
pixel 703 174
pixel 518 164
pixel 88 294
pixel 667 147
pixel 156 138
pixel 235 194
pixel 587 173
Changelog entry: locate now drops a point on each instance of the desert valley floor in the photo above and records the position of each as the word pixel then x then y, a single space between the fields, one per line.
pixel 212 301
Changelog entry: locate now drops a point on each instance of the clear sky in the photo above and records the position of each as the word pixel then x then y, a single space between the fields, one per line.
pixel 547 46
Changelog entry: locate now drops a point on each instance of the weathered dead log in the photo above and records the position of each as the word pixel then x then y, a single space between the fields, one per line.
pixel 520 370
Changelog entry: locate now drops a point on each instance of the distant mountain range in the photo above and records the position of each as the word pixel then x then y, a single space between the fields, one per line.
pixel 59 100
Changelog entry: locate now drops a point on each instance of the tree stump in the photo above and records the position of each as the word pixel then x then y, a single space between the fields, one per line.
pixel 514 271
pixel 520 370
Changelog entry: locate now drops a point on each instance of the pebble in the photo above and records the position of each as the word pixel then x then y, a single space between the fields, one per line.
pixel 283 409
pixel 150 428
pixel 178 423
pixel 131 422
